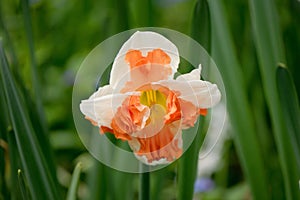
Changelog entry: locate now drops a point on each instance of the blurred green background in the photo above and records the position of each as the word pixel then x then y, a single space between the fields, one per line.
pixel 255 44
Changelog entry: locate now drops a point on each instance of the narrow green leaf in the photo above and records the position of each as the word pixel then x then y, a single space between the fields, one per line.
pixel 40 132
pixel 23 185
pixel 74 182
pixel 158 180
pixel 3 145
pixel 270 50
pixel 14 158
pixel 97 177
pixel 8 41
pixel 34 71
pixel 201 24
pixel 104 79
pixel 127 190
pixel 187 167
pixel 37 114
pixel 290 105
pixel 144 192
pixel 40 181
pixel 122 15
pixel 142 13
pixel 98 181
pixel 3 168
pixel 118 23
pixel 245 138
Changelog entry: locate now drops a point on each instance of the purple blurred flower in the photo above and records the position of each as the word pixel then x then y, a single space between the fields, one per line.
pixel 203 185
pixel 69 77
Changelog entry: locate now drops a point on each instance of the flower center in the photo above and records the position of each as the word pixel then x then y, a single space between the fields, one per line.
pixel 152 97
pixel 156 101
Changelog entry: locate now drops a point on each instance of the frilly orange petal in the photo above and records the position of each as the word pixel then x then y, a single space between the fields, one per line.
pixel 166 144
pixel 173 108
pixel 158 56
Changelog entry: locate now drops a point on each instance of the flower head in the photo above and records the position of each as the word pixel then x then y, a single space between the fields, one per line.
pixel 144 105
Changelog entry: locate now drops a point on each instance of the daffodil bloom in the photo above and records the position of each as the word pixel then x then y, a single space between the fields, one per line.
pixel 144 105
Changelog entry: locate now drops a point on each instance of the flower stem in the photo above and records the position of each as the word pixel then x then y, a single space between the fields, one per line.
pixel 144 183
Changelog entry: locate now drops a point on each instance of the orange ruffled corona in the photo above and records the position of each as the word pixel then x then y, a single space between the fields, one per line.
pixel 152 108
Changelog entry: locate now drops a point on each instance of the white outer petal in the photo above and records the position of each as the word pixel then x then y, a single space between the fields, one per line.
pixel 102 109
pixel 202 94
pixel 193 75
pixel 144 41
pixel 102 91
pixel 144 160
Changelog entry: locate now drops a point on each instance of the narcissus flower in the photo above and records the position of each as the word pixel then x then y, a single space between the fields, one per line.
pixel 144 105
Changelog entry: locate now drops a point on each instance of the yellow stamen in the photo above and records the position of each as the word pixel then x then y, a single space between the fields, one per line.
pixel 152 97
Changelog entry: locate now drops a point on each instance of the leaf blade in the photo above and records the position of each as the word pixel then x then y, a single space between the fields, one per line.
pixel 268 42
pixel 187 166
pixel 74 182
pixel 32 159
pixel 290 105
pixel 22 185
pixel 245 139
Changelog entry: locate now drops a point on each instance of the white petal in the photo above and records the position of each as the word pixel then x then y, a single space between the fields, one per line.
pixel 193 75
pixel 143 41
pixel 102 91
pixel 144 160
pixel 101 109
pixel 202 94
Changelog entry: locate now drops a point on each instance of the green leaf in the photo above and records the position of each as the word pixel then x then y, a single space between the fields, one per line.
pixel 40 131
pixel 104 79
pixel 8 41
pixel 34 71
pixel 3 145
pixel 187 166
pixel 3 167
pixel 23 185
pixel 158 181
pixel 40 181
pixel 74 182
pixel 144 192
pixel 270 50
pixel 35 104
pixel 118 23
pixel 290 106
pixel 14 157
pixel 141 13
pixel 201 24
pixel 245 138
pixel 98 181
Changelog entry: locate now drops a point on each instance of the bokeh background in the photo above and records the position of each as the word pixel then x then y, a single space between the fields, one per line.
pixel 256 46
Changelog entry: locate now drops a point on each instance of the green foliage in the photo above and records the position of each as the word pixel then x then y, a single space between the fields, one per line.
pixel 32 158
pixel 270 52
pixel 23 185
pixel 74 182
pixel 290 106
pixel 245 136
